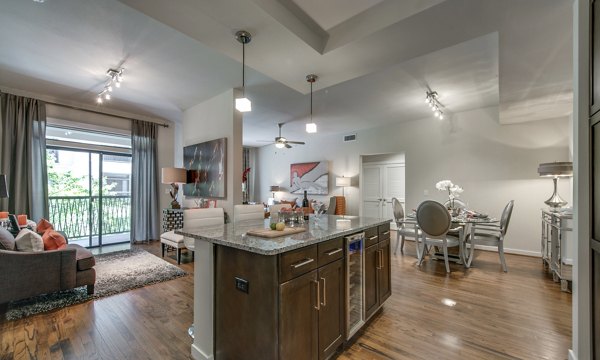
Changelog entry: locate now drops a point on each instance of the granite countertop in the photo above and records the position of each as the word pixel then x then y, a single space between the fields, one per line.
pixel 324 228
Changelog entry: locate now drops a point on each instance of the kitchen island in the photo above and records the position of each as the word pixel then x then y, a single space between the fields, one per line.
pixel 299 296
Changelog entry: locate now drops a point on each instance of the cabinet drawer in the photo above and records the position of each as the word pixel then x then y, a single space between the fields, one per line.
pixel 384 232
pixel 297 262
pixel 371 236
pixel 330 250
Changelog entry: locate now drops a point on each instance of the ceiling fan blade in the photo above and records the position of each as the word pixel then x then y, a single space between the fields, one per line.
pixel 288 146
pixel 296 142
pixel 264 141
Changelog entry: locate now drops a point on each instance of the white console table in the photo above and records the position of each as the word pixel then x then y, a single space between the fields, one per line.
pixel 557 244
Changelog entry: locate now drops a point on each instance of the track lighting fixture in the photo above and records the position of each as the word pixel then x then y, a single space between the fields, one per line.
pixel 115 78
pixel 243 104
pixel 432 100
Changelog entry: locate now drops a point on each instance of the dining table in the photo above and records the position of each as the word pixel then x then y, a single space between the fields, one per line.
pixel 464 221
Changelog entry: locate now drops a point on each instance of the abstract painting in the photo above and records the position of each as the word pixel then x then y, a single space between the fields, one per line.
pixel 312 177
pixel 206 165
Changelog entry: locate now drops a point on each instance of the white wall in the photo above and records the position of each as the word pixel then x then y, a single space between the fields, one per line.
pixel 213 119
pixel 493 163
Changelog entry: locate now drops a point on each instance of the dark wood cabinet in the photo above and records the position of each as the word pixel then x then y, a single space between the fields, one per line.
pixel 370 279
pixel 595 57
pixel 596 298
pixel 331 309
pixel 384 280
pixel 299 317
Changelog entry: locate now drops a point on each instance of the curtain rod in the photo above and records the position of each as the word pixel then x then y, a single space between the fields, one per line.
pixel 165 125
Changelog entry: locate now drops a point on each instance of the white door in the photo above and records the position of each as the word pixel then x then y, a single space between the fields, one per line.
pixel 382 182
pixel 372 190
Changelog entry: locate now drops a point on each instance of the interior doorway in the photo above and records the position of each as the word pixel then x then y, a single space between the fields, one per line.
pixel 383 177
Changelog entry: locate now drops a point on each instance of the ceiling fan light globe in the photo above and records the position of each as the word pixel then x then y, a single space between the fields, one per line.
pixel 279 145
pixel 311 128
pixel 243 105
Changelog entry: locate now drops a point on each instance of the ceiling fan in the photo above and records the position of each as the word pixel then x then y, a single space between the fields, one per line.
pixel 281 142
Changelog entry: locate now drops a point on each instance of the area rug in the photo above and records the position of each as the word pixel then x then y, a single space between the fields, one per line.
pixel 116 272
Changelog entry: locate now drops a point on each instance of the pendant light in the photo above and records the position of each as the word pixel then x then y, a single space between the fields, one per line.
pixel 243 104
pixel 311 127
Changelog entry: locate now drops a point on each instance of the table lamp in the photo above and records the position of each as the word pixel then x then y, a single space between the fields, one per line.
pixel 274 189
pixel 556 170
pixel 174 176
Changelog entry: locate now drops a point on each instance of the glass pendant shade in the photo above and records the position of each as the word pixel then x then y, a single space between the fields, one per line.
pixel 311 128
pixel 243 105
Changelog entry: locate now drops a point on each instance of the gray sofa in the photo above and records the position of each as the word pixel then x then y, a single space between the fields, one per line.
pixel 27 274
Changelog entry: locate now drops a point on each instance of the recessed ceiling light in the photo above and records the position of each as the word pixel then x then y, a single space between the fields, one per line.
pixel 39 1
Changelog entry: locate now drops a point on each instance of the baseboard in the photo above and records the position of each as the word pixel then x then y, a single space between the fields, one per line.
pixel 506 250
pixel 198 354
pixel 572 355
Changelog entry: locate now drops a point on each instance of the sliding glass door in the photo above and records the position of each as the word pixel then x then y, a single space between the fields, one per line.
pixel 89 195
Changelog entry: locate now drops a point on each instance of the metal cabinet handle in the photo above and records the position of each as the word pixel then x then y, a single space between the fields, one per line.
pixel 302 263
pixel 373 237
pixel 318 306
pixel 386 233
pixel 324 302
pixel 380 259
pixel 332 252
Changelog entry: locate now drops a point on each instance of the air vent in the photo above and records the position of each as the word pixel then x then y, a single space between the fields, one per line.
pixel 350 137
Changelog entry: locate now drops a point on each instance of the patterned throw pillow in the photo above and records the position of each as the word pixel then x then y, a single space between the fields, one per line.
pixel 27 240
pixel 7 240
pixel 44 225
pixel 53 240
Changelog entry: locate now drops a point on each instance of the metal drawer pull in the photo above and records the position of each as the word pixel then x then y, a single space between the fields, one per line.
pixel 324 303
pixel 373 237
pixel 302 263
pixel 386 233
pixel 318 306
pixel 332 252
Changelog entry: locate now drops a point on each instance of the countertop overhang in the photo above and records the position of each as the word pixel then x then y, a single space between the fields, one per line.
pixel 320 229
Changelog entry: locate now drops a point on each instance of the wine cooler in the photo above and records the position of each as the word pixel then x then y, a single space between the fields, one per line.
pixel 355 283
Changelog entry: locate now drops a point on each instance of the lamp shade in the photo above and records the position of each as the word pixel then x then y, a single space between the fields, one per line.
pixel 342 181
pixel 556 169
pixel 3 187
pixel 172 175
pixel 275 188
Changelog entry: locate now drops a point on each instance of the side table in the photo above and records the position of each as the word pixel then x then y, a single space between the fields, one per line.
pixel 557 245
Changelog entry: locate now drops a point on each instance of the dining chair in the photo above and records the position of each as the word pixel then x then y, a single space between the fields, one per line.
pixel 491 235
pixel 332 205
pixel 194 219
pixel 248 212
pixel 404 228
pixel 434 220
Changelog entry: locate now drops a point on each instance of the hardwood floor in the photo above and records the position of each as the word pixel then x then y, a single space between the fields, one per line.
pixel 518 315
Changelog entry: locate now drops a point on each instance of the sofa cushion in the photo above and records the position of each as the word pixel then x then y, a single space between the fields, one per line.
pixel 44 225
pixel 53 240
pixel 84 257
pixel 27 240
pixel 7 240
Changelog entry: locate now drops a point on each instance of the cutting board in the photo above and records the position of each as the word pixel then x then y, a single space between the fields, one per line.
pixel 268 233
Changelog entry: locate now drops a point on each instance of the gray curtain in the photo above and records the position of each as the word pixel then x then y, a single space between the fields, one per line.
pixel 144 182
pixel 23 157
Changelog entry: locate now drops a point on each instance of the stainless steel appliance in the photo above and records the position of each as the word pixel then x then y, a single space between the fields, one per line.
pixel 355 245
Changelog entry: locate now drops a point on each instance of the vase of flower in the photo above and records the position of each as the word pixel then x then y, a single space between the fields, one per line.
pixel 454 192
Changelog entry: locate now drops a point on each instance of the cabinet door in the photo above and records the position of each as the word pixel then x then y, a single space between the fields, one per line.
pixel 371 294
pixel 331 313
pixel 384 280
pixel 298 318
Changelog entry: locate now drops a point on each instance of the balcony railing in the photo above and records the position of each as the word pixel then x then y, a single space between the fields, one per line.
pixel 73 215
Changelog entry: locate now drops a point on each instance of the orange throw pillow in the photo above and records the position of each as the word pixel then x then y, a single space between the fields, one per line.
pixel 54 240
pixel 43 226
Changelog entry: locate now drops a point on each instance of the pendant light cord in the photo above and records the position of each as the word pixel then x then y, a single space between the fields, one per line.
pixel 244 69
pixel 311 91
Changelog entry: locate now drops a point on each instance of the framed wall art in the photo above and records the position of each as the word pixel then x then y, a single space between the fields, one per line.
pixel 206 165
pixel 312 177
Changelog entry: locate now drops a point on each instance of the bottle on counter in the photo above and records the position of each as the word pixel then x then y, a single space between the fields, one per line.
pixel 305 206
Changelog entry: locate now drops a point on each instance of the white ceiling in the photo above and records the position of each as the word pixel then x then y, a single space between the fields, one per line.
pixel 375 59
